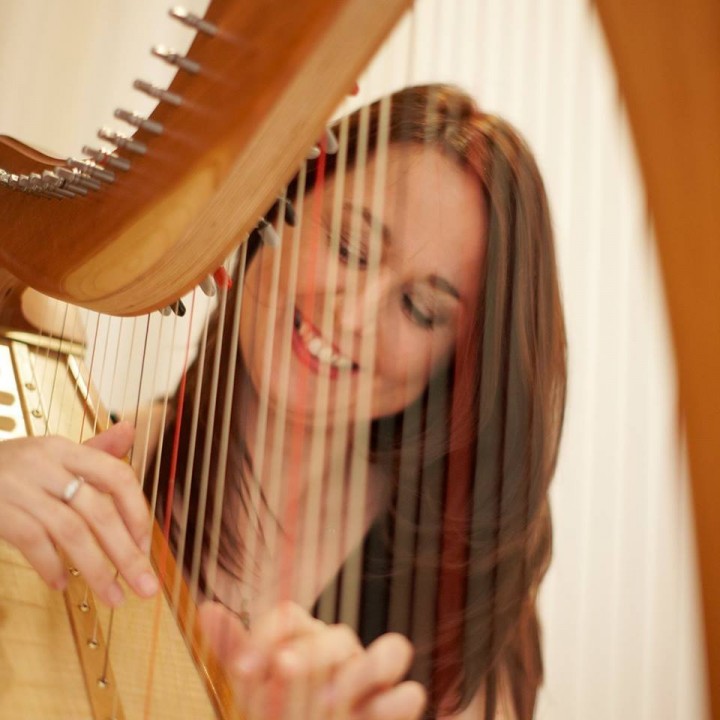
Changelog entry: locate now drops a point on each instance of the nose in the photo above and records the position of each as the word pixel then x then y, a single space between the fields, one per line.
pixel 361 306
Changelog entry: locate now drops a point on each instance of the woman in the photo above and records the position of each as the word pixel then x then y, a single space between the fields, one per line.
pixel 425 382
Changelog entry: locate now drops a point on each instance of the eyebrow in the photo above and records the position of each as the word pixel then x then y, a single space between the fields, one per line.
pixel 441 284
pixel 435 281
pixel 372 221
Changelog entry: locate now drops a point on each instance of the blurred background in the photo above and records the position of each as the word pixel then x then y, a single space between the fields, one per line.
pixel 620 605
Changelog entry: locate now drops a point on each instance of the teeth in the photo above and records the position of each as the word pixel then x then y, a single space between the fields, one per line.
pixel 318 348
pixel 315 346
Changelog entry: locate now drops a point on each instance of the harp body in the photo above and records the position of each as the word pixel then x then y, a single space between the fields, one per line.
pixel 217 173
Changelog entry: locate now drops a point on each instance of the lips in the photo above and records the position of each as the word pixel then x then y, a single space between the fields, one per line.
pixel 317 353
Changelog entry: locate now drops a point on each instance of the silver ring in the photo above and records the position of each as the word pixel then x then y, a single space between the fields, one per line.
pixel 71 489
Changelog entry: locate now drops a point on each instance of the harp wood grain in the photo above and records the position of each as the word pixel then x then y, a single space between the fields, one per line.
pixel 268 82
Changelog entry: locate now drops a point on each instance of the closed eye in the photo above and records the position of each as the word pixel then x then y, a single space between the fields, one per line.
pixel 415 314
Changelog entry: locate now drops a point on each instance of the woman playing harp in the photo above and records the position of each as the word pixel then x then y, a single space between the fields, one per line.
pixel 447 406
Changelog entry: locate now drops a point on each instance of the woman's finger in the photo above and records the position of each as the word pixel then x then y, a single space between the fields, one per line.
pixel 114 477
pixel 117 440
pixel 29 536
pixel 317 653
pixel 283 623
pixel 286 622
pixel 405 701
pixel 70 532
pixel 384 663
pixel 103 518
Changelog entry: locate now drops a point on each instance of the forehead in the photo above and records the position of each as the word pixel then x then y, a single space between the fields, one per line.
pixel 433 208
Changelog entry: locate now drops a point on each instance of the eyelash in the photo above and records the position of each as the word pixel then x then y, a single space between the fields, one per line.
pixel 345 252
pixel 425 322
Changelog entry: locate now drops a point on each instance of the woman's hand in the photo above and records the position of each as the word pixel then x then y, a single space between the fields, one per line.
pixel 106 517
pixel 292 667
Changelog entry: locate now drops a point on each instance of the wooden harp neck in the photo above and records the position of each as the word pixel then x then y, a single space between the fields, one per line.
pixel 265 85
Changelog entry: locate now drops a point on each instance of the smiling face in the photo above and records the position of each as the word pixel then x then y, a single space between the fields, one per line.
pixel 380 293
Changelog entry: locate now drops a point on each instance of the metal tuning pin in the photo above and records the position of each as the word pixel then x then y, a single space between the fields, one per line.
pixel 55 185
pixel 268 234
pixel 139 121
pixel 179 308
pixel 103 157
pixel 290 215
pixel 76 182
pixel 93 170
pixel 193 21
pixel 158 93
pixel 173 58
pixel 12 181
pixel 331 143
pixel 209 286
pixel 122 141
pixel 37 186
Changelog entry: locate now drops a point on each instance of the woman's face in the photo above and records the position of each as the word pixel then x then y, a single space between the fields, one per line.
pixel 371 293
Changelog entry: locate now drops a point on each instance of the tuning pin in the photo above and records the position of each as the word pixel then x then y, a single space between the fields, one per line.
pixel 76 182
pixel 94 171
pixel 209 286
pixel 193 21
pixel 331 142
pixel 122 141
pixel 178 308
pixel 173 58
pixel 54 185
pixel 157 92
pixel 268 234
pixel 290 216
pixel 106 158
pixel 139 121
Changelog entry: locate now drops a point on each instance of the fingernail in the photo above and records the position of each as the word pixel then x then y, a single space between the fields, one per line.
pixel 115 595
pixel 147 584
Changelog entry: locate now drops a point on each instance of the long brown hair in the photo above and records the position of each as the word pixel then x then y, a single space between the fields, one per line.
pixel 487 449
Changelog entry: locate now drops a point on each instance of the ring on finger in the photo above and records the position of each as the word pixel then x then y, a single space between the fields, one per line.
pixel 71 489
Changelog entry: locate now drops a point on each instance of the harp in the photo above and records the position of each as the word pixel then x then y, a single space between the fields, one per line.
pixel 698 384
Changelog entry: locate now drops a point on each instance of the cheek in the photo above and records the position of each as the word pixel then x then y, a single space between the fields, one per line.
pixel 404 355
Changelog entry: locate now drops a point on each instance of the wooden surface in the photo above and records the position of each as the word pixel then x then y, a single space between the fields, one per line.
pixel 667 56
pixel 269 82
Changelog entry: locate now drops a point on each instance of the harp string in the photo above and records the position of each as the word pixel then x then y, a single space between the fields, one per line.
pixel 168 511
pixel 188 480
pixel 355 522
pixel 224 433
pixel 345 386
pixel 273 532
pixel 204 475
pixel 261 535
pixel 324 473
